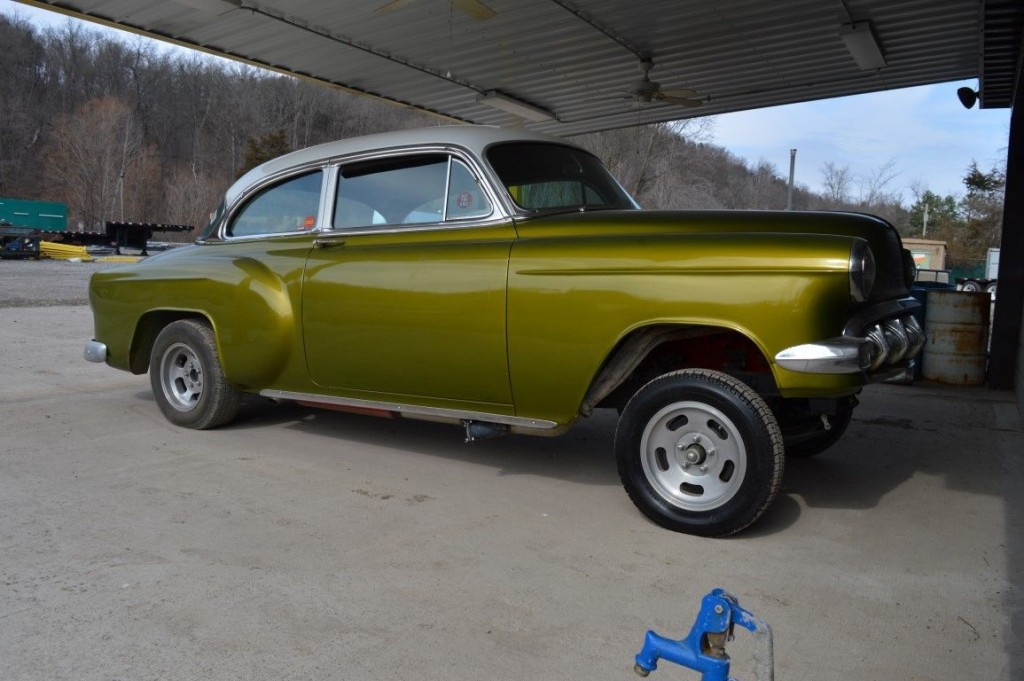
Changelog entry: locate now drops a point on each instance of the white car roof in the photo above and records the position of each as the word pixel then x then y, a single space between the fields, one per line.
pixel 474 138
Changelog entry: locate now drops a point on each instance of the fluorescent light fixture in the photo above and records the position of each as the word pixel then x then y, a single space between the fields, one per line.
pixel 495 99
pixel 863 46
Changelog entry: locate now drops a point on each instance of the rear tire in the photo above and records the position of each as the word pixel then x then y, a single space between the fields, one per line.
pixel 699 452
pixel 187 377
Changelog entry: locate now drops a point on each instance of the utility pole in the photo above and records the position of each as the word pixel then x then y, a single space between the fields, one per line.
pixel 120 188
pixel 792 172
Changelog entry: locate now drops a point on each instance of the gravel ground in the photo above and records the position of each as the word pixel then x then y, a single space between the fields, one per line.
pixel 45 283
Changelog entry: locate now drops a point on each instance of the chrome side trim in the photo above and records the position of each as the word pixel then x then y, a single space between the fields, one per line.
pixel 834 356
pixel 96 351
pixel 412 411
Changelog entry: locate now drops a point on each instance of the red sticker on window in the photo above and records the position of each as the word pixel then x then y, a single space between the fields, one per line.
pixel 310 222
pixel 464 200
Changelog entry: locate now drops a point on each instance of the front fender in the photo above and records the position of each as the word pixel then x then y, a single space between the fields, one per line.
pixel 572 301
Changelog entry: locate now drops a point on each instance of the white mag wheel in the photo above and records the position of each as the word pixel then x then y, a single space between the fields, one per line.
pixel 181 377
pixel 693 455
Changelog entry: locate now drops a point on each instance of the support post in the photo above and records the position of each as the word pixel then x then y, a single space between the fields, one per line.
pixel 1005 354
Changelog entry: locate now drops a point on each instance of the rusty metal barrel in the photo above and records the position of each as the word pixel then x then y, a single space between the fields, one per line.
pixel 956 324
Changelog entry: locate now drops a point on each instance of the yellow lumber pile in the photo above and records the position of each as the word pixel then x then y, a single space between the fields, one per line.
pixel 50 249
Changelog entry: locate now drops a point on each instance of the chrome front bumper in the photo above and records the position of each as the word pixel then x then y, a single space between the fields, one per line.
pixel 96 351
pixel 885 345
pixel 833 356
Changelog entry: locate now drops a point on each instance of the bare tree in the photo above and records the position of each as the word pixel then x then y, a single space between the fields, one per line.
pixel 100 164
pixel 876 187
pixel 191 196
pixel 836 180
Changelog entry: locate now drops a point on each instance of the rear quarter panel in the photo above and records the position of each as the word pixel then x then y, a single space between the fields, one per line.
pixel 252 305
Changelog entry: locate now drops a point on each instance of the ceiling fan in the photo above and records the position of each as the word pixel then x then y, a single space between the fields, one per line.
pixel 647 90
pixel 473 8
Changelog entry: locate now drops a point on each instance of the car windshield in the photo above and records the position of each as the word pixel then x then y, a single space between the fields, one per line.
pixel 543 177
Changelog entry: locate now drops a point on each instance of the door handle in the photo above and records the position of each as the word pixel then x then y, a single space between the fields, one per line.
pixel 328 243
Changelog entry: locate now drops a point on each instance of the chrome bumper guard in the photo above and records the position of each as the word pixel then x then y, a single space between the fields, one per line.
pixel 96 351
pixel 885 345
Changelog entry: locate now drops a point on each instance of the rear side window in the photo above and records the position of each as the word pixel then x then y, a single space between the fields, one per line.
pixel 289 206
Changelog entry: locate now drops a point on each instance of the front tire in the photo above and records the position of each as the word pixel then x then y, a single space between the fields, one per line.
pixel 187 377
pixel 699 452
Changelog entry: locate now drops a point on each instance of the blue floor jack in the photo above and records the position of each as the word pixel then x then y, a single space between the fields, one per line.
pixel 703 649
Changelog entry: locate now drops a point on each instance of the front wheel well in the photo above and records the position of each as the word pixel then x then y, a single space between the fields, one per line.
pixel 653 351
pixel 148 328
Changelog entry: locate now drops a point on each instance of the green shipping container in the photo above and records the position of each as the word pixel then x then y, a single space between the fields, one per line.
pixel 44 215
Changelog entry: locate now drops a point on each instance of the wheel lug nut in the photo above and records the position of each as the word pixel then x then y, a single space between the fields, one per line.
pixel 703 468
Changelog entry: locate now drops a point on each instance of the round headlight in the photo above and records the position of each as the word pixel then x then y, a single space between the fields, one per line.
pixel 862 271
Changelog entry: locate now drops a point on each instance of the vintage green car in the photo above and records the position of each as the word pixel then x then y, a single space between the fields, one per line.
pixel 505 281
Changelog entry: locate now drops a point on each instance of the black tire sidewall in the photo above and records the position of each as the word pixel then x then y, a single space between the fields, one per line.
pixel 208 411
pixel 760 481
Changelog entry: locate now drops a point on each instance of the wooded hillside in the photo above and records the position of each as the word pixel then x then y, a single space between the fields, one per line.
pixel 119 130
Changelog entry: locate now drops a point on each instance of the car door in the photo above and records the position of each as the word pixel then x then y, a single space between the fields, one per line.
pixel 404 297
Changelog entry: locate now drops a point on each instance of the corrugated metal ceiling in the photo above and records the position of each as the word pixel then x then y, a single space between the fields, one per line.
pixel 580 60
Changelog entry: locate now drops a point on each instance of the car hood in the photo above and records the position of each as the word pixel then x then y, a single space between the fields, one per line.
pixel 883 238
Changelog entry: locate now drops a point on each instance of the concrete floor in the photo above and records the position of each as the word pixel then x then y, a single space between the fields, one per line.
pixel 299 544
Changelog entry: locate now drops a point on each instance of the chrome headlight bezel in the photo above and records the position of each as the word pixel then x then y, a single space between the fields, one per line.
pixel 862 271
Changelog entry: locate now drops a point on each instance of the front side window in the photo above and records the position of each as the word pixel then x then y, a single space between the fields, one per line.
pixel 409 190
pixel 290 206
pixel 550 177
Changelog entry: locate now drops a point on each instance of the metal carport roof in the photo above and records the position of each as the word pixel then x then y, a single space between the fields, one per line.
pixel 580 62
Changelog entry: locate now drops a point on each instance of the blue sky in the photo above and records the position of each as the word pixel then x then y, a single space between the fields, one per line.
pixel 925 131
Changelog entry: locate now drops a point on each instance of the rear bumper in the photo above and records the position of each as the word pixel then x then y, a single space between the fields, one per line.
pixel 96 351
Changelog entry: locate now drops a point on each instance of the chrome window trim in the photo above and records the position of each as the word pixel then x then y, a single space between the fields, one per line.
pixel 329 236
pixel 266 183
pixel 502 210
pixel 498 214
